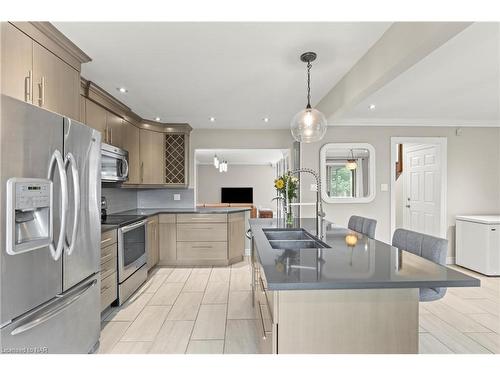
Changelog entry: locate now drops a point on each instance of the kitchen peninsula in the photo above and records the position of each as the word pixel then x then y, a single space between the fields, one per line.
pixel 194 236
pixel 345 294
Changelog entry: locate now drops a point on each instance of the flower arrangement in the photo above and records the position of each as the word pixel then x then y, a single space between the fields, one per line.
pixel 280 185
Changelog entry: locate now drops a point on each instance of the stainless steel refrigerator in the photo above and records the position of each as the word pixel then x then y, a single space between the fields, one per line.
pixel 50 231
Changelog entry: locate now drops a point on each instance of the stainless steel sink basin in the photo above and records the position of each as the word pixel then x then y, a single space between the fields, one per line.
pixel 287 234
pixel 293 239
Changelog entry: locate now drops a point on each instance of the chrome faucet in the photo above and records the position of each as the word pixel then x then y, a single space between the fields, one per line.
pixel 319 204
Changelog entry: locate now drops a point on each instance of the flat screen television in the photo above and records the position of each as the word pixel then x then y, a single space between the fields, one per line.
pixel 236 195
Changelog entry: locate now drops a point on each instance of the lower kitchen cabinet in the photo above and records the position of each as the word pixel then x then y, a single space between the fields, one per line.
pixel 202 239
pixel 168 239
pixel 152 253
pixel 109 278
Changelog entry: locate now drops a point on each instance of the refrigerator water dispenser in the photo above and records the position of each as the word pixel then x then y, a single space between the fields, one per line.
pixel 29 214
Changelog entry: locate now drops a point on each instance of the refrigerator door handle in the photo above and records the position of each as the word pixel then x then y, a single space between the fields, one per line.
pixel 71 161
pixel 56 250
pixel 63 303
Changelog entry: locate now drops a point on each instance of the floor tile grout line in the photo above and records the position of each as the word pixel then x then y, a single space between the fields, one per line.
pixel 198 312
pixel 227 308
pixel 171 307
pixel 461 313
pixel 463 333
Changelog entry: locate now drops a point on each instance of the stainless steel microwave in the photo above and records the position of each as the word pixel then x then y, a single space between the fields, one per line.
pixel 114 164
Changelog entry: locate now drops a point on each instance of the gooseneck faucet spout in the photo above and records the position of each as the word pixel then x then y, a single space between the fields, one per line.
pixel 319 204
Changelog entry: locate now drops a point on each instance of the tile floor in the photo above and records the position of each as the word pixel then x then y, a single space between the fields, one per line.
pixel 209 310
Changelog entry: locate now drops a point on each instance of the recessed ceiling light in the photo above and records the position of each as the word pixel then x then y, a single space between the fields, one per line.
pixel 266 119
pixel 372 107
pixel 212 119
pixel 123 90
pixel 157 119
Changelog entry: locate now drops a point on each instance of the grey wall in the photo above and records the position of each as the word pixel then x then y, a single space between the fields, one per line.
pixel 226 138
pixel 260 177
pixel 473 173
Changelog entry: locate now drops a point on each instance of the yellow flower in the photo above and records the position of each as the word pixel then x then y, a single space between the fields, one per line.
pixel 279 183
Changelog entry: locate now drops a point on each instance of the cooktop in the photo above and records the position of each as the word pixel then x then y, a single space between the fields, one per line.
pixel 121 220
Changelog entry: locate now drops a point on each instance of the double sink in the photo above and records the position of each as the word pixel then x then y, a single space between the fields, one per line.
pixel 293 239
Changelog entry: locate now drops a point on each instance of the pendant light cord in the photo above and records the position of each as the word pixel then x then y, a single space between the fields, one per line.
pixel 309 66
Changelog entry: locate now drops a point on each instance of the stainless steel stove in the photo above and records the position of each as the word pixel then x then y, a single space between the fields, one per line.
pixel 132 242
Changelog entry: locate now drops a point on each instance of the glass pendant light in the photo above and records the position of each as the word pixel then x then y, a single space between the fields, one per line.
pixel 351 163
pixel 309 125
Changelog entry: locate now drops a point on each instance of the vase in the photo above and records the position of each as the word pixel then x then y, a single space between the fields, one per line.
pixel 289 219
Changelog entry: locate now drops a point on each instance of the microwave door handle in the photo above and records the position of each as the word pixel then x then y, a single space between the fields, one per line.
pixel 125 163
pixel 56 250
pixel 70 160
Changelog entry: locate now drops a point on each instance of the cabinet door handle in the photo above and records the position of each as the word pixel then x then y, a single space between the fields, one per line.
pixel 42 92
pixel 27 89
pixel 106 240
pixel 110 135
pixel 142 171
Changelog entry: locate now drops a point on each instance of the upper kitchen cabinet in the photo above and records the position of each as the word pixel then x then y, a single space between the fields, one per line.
pixel 152 156
pixel 104 113
pixel 130 142
pixel 158 153
pixel 56 85
pixel 95 116
pixel 114 124
pixel 164 154
pixel 41 66
pixel 17 63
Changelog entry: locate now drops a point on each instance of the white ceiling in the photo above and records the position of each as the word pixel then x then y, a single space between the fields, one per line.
pixel 457 84
pixel 240 156
pixel 238 73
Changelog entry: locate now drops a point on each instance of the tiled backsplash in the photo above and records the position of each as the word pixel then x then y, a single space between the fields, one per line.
pixel 128 199
pixel 120 199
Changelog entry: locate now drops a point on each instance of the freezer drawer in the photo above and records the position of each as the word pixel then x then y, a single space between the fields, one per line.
pixel 70 323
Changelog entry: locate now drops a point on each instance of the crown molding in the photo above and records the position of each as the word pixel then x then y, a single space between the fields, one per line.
pixel 47 35
pixel 98 95
pixel 414 122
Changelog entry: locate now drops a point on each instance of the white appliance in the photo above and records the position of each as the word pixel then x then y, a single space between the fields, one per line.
pixel 478 243
pixel 49 232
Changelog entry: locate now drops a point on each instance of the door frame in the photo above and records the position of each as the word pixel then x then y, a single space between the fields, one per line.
pixel 442 143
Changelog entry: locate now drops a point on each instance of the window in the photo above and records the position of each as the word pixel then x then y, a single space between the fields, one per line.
pixel 340 181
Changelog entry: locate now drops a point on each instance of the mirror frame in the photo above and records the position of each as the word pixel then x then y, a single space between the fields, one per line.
pixel 371 173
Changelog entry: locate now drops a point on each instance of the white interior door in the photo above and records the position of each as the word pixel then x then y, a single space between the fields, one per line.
pixel 422 194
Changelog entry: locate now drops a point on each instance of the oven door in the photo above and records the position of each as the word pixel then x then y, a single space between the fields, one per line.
pixel 114 164
pixel 131 249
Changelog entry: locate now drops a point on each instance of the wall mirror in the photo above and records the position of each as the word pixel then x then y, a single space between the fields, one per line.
pixel 347 172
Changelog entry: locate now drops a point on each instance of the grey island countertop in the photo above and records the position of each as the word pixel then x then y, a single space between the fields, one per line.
pixel 369 264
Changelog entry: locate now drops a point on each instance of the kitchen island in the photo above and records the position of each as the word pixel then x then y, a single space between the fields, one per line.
pixel 355 295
